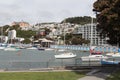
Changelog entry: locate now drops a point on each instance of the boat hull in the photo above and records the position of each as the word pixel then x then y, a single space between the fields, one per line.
pixel 64 57
pixel 93 58
pixel 104 62
pixel 11 49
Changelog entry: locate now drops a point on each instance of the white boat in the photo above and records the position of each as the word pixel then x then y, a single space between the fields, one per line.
pixel 61 50
pixel 116 55
pixel 111 61
pixel 11 49
pixel 109 54
pixel 49 49
pixel 32 48
pixel 1 47
pixel 98 57
pixel 65 55
pixel 113 54
pixel 105 62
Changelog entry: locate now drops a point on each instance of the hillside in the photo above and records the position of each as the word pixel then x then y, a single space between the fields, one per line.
pixel 79 20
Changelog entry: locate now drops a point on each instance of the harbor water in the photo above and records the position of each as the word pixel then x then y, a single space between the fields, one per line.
pixel 28 59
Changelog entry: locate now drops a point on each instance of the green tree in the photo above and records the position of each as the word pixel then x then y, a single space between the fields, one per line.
pixel 108 18
pixel 4 30
pixel 27 41
pixel 25 34
pixel 76 41
pixel 78 20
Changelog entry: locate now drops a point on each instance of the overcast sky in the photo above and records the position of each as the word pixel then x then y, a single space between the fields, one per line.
pixel 34 11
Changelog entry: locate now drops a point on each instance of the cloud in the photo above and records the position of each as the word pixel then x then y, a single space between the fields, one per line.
pixel 43 10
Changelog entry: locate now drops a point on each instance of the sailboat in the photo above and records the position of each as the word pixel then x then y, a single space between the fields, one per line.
pixel 65 54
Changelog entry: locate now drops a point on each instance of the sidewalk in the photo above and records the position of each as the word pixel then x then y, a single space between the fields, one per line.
pixel 95 75
pixel 91 78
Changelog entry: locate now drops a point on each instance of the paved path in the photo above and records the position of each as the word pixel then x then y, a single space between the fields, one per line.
pixel 95 76
pixel 91 78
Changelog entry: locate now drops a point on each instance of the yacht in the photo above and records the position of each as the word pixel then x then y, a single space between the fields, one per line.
pixel 111 61
pixel 32 48
pixel 11 49
pixel 94 57
pixel 65 55
pixel 49 49
pixel 104 62
pixel 113 54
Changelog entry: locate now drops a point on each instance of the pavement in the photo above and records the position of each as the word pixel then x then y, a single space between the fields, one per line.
pixel 91 78
pixel 95 75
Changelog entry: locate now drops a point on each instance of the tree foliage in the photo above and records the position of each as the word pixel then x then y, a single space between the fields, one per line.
pixel 78 20
pixel 26 41
pixel 74 39
pixel 25 34
pixel 108 18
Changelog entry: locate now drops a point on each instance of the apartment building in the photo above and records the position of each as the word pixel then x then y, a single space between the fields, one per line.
pixel 89 32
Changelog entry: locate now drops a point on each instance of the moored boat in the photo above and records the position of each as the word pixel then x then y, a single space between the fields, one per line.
pixel 93 58
pixel 65 55
pixel 11 49
pixel 104 62
pixel 113 54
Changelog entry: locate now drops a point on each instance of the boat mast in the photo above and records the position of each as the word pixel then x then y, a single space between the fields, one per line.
pixel 91 39
pixel 64 36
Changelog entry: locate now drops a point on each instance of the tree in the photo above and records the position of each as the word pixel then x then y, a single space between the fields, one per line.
pixel 25 34
pixel 78 20
pixel 27 41
pixel 108 18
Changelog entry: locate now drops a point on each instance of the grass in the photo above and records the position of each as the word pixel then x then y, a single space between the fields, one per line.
pixel 41 75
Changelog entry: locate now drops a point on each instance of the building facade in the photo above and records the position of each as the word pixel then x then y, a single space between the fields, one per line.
pixel 21 24
pixel 89 32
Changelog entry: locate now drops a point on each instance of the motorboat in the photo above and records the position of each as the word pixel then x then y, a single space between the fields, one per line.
pixel 110 61
pixel 65 55
pixel 11 49
pixel 110 54
pixel 49 49
pixel 41 49
pixel 61 50
pixel 113 54
pixel 104 62
pixel 93 58
pixel 32 48
pixel 1 47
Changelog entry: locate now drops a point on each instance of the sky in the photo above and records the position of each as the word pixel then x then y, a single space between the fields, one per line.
pixel 38 11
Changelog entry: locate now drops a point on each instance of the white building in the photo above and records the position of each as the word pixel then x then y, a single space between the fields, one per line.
pixel 12 34
pixel 89 32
